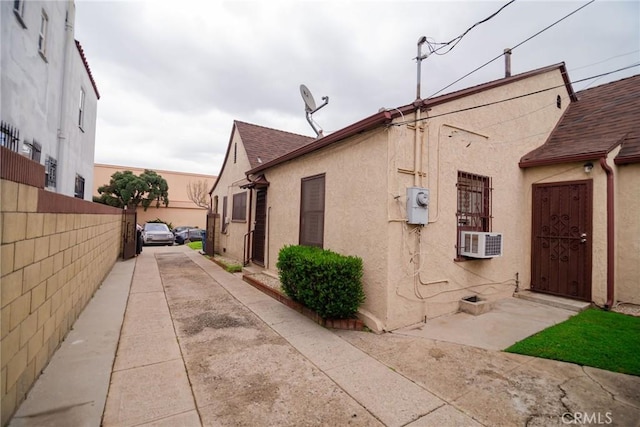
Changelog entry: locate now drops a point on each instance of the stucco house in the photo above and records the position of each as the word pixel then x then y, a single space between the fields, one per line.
pixel 435 196
pixel 584 206
pixel 49 96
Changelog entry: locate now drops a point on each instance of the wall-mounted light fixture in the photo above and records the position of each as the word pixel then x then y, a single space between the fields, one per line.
pixel 588 167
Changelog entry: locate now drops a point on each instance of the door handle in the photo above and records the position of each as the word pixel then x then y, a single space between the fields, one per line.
pixel 583 238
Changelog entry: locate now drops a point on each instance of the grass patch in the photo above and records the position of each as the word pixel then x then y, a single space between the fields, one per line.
pixel 196 246
pixel 233 268
pixel 596 338
pixel 230 267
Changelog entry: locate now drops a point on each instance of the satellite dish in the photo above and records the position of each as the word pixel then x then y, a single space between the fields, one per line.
pixel 309 102
pixel 310 106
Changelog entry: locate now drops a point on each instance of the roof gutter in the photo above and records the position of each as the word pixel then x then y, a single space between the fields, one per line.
pixel 610 233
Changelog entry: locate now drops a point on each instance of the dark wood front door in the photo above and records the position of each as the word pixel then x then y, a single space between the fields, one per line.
pixel 561 241
pixel 260 229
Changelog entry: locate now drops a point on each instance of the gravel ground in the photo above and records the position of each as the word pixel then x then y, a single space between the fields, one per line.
pixel 267 280
pixel 627 308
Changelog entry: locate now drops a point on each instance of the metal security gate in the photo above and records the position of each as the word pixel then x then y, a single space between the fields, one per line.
pixel 209 247
pixel 260 228
pixel 129 218
pixel 561 241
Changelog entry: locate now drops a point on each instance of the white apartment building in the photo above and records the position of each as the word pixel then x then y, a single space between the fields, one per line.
pixel 49 98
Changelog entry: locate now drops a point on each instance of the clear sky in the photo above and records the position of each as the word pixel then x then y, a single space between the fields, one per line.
pixel 173 75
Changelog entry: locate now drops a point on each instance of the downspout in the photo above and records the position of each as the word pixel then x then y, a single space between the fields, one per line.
pixel 63 132
pixel 416 151
pixel 610 233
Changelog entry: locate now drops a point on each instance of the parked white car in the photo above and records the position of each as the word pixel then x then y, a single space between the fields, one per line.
pixel 155 233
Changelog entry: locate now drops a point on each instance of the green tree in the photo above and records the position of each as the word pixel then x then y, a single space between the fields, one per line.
pixel 130 190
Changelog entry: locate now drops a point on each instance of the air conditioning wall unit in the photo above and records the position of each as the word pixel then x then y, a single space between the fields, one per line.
pixel 476 244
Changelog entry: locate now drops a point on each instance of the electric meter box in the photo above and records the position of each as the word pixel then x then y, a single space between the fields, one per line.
pixel 417 205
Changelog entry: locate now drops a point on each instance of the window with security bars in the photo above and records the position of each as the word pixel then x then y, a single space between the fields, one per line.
pixel 474 203
pixel 239 210
pixel 312 211
pixel 79 188
pixel 50 168
pixel 9 136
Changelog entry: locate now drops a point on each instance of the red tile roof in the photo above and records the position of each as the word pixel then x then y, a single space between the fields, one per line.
pixel 602 118
pixel 86 66
pixel 264 144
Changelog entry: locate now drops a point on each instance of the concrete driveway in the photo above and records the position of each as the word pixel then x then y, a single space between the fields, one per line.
pixel 198 346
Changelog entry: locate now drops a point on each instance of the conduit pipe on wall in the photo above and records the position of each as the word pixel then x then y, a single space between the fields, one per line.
pixel 416 151
pixel 610 233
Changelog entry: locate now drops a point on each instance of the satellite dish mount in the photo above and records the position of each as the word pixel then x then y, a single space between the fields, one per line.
pixel 310 107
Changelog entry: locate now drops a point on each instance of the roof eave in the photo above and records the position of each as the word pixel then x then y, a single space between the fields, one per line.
pixel 563 159
pixel 627 160
pixel 226 157
pixel 87 68
pixel 356 128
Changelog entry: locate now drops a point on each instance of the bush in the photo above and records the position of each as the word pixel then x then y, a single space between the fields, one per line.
pixel 322 280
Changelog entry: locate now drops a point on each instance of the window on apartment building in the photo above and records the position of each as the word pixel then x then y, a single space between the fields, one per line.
pixel 50 169
pixel 224 214
pixel 239 212
pixel 18 11
pixel 33 150
pixel 312 211
pixel 9 136
pixel 42 36
pixel 79 189
pixel 474 202
pixel 81 109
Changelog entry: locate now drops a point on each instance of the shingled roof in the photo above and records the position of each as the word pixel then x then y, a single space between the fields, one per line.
pixel 602 118
pixel 264 144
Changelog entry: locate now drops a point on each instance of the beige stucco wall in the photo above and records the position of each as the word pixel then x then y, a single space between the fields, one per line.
pixel 52 263
pixel 628 233
pixel 355 207
pixel 424 280
pixel 228 184
pixel 181 210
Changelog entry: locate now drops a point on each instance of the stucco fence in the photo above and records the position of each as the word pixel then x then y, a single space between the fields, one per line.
pixel 56 251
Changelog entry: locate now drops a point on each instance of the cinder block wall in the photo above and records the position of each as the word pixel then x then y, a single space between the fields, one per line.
pixel 56 251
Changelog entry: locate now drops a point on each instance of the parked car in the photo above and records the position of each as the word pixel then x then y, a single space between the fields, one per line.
pixel 156 233
pixel 187 234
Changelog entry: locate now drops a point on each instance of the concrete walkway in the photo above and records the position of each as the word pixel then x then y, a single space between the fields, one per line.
pixel 198 346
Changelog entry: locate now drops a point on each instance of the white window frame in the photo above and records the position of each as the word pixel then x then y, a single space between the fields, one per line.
pixel 18 10
pixel 81 109
pixel 42 35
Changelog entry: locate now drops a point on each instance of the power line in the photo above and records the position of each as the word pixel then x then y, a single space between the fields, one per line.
pixel 513 48
pixel 457 40
pixel 516 97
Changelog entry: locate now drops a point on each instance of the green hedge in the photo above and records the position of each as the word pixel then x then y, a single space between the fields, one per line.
pixel 322 280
